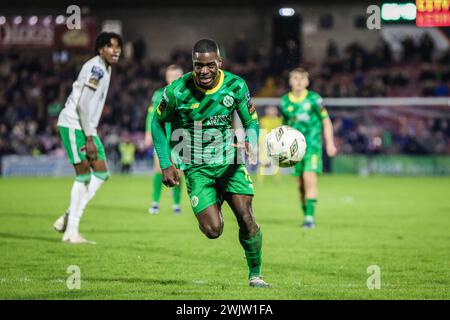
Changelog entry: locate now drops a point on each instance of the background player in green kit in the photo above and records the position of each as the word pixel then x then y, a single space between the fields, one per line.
pixel 199 107
pixel 172 73
pixel 303 110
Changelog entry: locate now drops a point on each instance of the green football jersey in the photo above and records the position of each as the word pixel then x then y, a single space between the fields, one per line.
pixel 206 118
pixel 305 114
pixel 156 99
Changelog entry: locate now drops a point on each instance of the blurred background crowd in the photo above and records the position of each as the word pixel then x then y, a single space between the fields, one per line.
pixel 34 88
pixel 34 85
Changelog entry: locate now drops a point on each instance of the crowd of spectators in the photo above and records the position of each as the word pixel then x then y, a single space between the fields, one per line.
pixel 34 86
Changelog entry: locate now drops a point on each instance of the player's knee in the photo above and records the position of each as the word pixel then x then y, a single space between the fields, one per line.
pixel 212 231
pixel 102 175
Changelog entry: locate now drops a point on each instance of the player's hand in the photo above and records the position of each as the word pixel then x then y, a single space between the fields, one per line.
pixel 148 141
pixel 91 149
pixel 331 149
pixel 170 177
pixel 250 151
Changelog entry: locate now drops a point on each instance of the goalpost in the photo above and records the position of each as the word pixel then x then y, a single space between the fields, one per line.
pixel 398 135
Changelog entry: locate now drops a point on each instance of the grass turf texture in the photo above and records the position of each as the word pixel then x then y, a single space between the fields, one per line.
pixel 400 224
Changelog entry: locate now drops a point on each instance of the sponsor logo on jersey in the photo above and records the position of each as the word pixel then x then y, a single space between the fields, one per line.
pixel 302 117
pixel 194 201
pixel 218 120
pixel 228 101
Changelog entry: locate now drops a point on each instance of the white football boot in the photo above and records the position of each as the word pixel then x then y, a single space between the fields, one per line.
pixel 258 282
pixel 76 238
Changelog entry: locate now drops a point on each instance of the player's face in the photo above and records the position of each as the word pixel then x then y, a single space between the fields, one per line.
pixel 111 52
pixel 298 81
pixel 172 75
pixel 206 68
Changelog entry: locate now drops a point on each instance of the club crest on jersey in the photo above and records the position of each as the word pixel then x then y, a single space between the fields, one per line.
pixel 195 105
pixel 307 106
pixel 194 201
pixel 290 108
pixel 228 101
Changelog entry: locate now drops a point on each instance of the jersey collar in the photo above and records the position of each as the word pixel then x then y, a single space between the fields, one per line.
pixel 103 63
pixel 294 99
pixel 216 88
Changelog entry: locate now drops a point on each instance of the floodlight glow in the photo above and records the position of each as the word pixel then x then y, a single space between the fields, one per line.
pixel 286 12
pixel 47 20
pixel 17 20
pixel 409 11
pixel 390 11
pixel 59 19
pixel 33 20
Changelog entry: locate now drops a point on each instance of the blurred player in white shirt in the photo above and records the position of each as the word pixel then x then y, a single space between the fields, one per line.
pixel 78 123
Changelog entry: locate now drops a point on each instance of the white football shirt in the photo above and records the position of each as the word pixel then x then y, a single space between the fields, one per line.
pixel 94 75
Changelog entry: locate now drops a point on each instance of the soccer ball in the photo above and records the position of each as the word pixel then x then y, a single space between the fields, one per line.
pixel 285 146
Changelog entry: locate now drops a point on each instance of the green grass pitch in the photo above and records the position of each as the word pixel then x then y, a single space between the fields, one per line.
pixel 401 225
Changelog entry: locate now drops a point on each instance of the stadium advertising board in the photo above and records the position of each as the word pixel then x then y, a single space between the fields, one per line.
pixel 433 13
pixel 45 32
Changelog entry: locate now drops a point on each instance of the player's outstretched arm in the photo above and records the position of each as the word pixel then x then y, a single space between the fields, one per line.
pixel 249 118
pixel 170 174
pixel 164 113
pixel 83 110
pixel 148 128
pixel 329 137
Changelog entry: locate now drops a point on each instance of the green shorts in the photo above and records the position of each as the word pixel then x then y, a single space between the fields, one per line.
pixel 74 142
pixel 208 184
pixel 312 162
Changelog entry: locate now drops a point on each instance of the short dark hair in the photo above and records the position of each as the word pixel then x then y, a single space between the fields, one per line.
pixel 104 39
pixel 206 45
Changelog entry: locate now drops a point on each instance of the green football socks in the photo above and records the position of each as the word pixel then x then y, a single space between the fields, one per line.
pixel 310 207
pixel 157 186
pixel 252 246
pixel 177 194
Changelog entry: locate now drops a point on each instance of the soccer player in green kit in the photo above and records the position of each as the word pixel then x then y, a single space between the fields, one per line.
pixel 302 109
pixel 200 106
pixel 173 72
